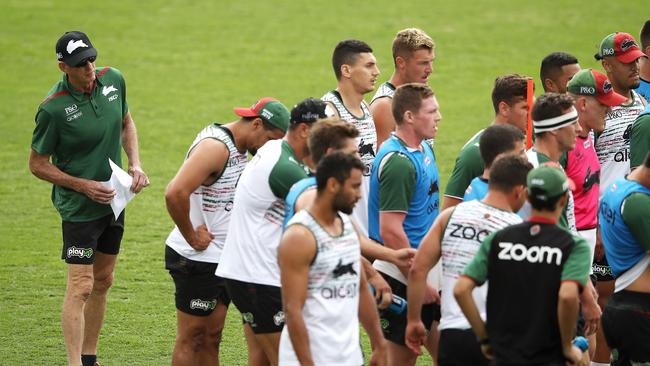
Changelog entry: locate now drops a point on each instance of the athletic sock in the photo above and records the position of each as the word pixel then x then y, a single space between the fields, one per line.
pixel 88 360
pixel 598 364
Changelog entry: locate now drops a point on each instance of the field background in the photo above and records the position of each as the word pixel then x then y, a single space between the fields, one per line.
pixel 187 63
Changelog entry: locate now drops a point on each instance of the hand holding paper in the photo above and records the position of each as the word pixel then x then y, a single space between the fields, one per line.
pixel 120 182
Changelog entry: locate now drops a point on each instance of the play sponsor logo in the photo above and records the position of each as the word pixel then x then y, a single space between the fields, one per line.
pixel 205 305
pixel 278 318
pixel 535 254
pixel 79 252
pixel 266 114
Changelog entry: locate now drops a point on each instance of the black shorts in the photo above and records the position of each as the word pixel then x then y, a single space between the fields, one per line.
pixel 601 270
pixel 198 289
pixel 260 305
pixel 459 347
pixel 82 239
pixel 394 325
pixel 626 324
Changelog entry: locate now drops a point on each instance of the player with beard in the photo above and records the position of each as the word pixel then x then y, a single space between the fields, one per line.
pixel 413 55
pixel 619 55
pixel 199 200
pixel 324 290
pixel 328 136
pixel 356 71
pixel 454 240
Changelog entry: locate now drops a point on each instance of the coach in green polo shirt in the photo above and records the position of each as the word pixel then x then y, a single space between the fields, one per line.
pixel 80 125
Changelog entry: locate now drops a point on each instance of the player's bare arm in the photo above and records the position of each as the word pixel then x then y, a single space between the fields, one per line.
pixel 130 143
pixel 463 294
pixel 369 319
pixel 203 166
pixel 41 166
pixel 393 234
pixel 382 114
pixel 567 313
pixel 427 256
pixel 383 293
pixel 450 201
pixel 295 254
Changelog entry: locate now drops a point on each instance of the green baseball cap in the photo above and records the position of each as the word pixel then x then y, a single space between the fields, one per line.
pixel 270 110
pixel 546 182
pixel 621 45
pixel 593 83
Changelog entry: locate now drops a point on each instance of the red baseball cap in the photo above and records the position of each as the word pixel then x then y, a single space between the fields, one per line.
pixel 593 83
pixel 268 109
pixel 621 45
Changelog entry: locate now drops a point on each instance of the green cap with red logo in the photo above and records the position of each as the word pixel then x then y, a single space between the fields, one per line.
pixel 270 110
pixel 593 83
pixel 621 45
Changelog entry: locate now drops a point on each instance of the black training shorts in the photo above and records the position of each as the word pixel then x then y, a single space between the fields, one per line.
pixel 626 324
pixel 394 325
pixel 198 289
pixel 260 305
pixel 82 239
pixel 459 347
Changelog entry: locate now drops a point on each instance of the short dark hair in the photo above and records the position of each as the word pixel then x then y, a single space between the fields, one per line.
pixel 508 172
pixel 337 165
pixel 509 88
pixel 329 133
pixel 644 35
pixel 346 53
pixel 409 97
pixel 498 139
pixel 552 65
pixel 550 105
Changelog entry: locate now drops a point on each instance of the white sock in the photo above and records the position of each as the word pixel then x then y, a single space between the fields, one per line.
pixel 598 364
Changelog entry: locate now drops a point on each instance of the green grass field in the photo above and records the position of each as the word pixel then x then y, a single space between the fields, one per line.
pixel 187 63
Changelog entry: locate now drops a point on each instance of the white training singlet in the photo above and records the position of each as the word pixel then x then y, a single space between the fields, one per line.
pixel 367 144
pixel 385 90
pixel 331 308
pixel 250 253
pixel 613 144
pixel 211 205
pixel 468 225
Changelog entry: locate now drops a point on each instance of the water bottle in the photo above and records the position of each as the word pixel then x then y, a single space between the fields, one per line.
pixel 397 304
pixel 582 343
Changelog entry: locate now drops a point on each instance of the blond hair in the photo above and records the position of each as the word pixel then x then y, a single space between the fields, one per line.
pixel 410 40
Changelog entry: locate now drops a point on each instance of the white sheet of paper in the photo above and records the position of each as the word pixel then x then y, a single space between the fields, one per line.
pixel 121 182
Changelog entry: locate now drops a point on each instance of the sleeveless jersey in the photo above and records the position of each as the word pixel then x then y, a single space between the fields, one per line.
pixel 468 225
pixel 367 143
pixel 385 90
pixel 613 144
pixel 250 252
pixel 622 249
pixel 294 193
pixel 331 308
pixel 584 169
pixel 211 205
pixel 477 189
pixel 568 218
